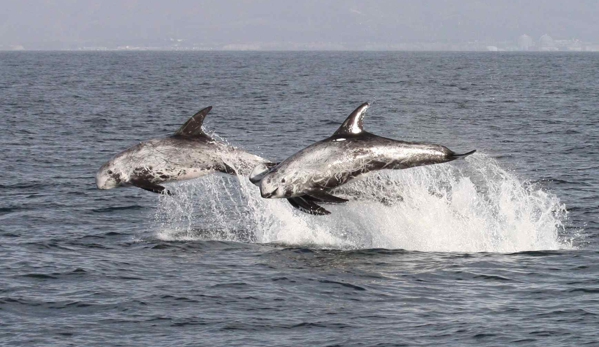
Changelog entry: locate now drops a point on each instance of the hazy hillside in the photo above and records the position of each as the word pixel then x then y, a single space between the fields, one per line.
pixel 71 23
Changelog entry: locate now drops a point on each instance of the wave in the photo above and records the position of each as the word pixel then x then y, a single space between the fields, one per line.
pixel 468 206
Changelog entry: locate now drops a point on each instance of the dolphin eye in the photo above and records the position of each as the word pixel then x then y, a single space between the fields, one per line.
pixel 109 172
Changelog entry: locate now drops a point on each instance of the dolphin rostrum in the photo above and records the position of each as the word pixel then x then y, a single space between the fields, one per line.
pixel 308 176
pixel 188 154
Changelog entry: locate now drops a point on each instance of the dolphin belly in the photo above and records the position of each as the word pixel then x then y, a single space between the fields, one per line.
pixel 184 174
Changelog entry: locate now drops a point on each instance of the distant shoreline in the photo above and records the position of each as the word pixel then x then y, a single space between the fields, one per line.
pixel 291 50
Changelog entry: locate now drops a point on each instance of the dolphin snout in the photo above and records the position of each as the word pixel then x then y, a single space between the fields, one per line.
pixel 106 179
pixel 100 180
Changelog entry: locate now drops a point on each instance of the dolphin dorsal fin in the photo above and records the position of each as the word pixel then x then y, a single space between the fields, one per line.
pixel 353 124
pixel 193 126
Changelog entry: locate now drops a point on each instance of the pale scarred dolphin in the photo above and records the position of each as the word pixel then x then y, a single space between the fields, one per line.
pixel 308 176
pixel 189 153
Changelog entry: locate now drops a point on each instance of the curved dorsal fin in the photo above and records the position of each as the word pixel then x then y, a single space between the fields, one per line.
pixel 353 124
pixel 193 126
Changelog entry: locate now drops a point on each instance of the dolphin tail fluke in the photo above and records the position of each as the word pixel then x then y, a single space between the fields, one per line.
pixel 464 154
pixel 260 171
pixel 307 206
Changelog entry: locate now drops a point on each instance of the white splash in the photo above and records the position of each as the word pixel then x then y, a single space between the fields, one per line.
pixel 468 206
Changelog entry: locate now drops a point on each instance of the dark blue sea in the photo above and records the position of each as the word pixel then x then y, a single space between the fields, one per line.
pixel 501 248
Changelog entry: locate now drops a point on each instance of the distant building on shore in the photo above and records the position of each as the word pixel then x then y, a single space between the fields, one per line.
pixel 525 43
pixel 546 43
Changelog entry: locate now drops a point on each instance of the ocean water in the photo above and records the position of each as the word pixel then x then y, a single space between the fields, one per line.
pixel 499 249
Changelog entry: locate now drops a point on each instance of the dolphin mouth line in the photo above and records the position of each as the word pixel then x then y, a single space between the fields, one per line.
pixel 271 194
pixel 268 195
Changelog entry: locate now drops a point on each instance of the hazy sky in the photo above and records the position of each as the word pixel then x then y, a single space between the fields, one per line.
pixel 73 23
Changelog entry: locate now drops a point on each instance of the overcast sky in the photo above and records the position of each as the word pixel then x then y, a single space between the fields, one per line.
pixel 56 24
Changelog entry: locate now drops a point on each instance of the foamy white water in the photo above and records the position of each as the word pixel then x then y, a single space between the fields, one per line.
pixel 472 205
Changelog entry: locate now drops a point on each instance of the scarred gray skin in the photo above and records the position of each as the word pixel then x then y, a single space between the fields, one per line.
pixel 349 153
pixel 188 154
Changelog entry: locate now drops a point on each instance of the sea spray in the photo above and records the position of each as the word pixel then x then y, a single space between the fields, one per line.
pixel 471 205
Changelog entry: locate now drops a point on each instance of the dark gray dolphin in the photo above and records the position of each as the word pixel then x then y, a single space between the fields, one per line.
pixel 308 176
pixel 188 154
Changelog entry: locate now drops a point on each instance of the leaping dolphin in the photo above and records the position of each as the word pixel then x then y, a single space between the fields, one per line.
pixel 188 154
pixel 308 176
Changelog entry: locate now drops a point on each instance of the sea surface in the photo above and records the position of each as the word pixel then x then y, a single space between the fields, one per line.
pixel 501 248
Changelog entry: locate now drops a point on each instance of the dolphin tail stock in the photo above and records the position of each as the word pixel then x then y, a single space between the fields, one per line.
pixel 307 205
